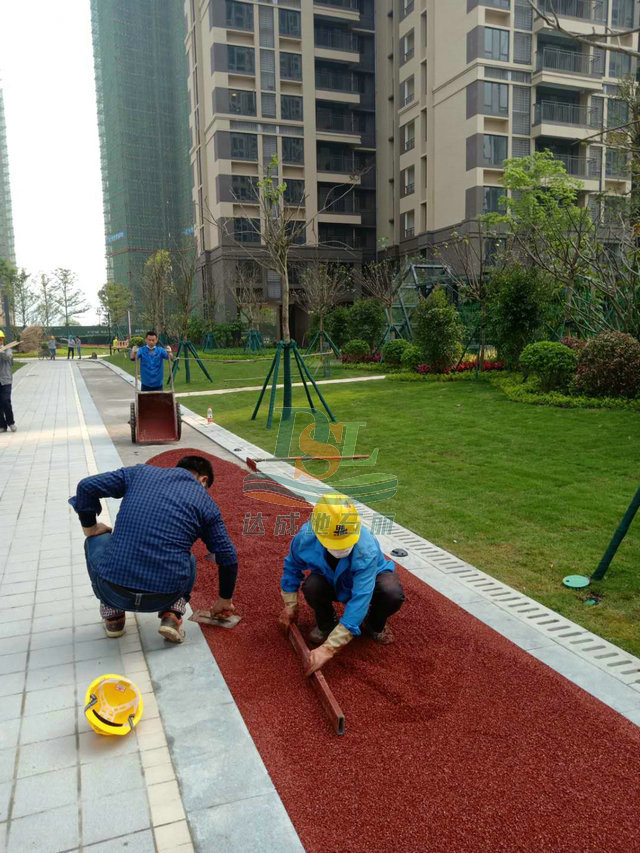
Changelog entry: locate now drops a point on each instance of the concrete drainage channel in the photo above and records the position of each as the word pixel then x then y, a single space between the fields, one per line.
pixel 473 589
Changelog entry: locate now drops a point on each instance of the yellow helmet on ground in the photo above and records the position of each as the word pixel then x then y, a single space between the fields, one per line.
pixel 113 705
pixel 335 521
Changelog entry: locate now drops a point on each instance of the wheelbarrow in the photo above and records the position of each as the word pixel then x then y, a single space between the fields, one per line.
pixel 155 415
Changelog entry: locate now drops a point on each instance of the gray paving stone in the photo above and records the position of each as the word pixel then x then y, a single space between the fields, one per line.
pixel 7 764
pixel 140 842
pixel 47 608
pixel 122 813
pixel 12 683
pixel 54 583
pixel 47 755
pixel 14 629
pixel 5 797
pixel 47 596
pixel 11 645
pixel 93 649
pixel 45 791
pixel 49 623
pixel 50 657
pixel 21 600
pixel 9 733
pixel 102 778
pixel 17 588
pixel 94 747
pixel 88 670
pixel 50 676
pixel 253 825
pixel 12 663
pixel 46 832
pixel 10 706
pixel 49 639
pixel 15 614
pixel 51 724
pixel 89 632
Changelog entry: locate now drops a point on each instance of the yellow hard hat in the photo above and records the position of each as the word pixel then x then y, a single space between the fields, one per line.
pixel 335 521
pixel 113 705
pixel 1 334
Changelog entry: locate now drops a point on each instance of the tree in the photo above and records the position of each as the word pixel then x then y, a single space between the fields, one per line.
pixel 48 308
pixel 183 292
pixel 115 300
pixel 601 38
pixel 323 287
pixel 70 299
pixel 156 287
pixel 24 299
pixel 437 331
pixel 367 320
pixel 7 276
pixel 246 290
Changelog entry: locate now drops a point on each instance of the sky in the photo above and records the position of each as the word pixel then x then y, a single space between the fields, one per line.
pixel 47 77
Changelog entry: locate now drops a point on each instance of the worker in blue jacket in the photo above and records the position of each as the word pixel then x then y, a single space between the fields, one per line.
pixel 346 564
pixel 151 359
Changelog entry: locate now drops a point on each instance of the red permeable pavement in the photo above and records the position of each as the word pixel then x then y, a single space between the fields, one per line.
pixel 456 740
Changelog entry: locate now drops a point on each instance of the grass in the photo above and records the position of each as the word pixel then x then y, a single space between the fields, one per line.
pixel 528 494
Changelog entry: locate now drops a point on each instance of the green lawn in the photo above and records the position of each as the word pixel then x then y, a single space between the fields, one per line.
pixel 236 374
pixel 527 493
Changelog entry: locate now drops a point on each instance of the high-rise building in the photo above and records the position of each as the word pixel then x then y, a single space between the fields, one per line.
pixel 464 84
pixel 296 80
pixel 141 78
pixel 7 248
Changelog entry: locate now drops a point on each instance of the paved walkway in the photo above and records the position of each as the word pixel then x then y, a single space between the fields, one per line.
pixel 62 787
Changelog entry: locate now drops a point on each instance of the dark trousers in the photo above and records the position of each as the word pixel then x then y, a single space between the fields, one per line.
pixel 386 600
pixel 150 387
pixel 70 351
pixel 6 412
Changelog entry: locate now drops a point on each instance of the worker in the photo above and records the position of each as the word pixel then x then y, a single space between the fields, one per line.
pixel 6 378
pixel 146 563
pixel 51 343
pixel 151 357
pixel 346 564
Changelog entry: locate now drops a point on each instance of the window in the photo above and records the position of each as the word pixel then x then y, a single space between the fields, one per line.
pixel 242 101
pixel 491 199
pixel 267 69
pixel 268 105
pixel 617 113
pixel 408 136
pixel 520 147
pixel 291 107
pixel 246 230
pixel 241 60
pixel 239 15
pixel 496 44
pixel 407 181
pixel 407 91
pixel 495 99
pixel 291 66
pixel 619 64
pixel 622 14
pixel 294 193
pixel 244 146
pixel 407 224
pixel 292 150
pixel 406 7
pixel 494 150
pixel 407 46
pixel 522 48
pixel 244 188
pixel 289 23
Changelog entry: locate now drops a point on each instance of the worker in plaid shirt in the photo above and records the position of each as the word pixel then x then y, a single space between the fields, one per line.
pixel 145 564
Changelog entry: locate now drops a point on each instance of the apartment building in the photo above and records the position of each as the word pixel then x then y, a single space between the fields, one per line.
pixel 294 79
pixel 464 84
pixel 7 249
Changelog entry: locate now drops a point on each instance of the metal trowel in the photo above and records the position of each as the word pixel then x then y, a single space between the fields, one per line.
pixel 204 618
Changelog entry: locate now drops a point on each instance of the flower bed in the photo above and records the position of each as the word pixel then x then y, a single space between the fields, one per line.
pixel 463 367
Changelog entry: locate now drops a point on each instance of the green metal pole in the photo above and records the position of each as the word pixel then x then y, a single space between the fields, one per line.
pixel 617 538
pixel 298 358
pixel 187 367
pixel 314 340
pixel 318 392
pixel 266 382
pixel 272 399
pixel 194 351
pixel 288 393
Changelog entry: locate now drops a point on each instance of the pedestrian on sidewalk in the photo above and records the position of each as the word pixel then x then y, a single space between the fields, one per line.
pixel 71 342
pixel 6 378
pixel 146 563
pixel 151 357
pixel 51 343
pixel 79 347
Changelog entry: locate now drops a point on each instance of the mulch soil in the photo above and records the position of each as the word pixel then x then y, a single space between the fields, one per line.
pixel 456 740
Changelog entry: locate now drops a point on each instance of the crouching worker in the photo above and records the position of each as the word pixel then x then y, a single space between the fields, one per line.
pixel 146 563
pixel 345 563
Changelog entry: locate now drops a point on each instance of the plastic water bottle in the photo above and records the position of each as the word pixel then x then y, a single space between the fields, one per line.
pixel 209 415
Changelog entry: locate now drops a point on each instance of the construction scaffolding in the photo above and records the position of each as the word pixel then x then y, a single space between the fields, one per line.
pixel 7 246
pixel 143 121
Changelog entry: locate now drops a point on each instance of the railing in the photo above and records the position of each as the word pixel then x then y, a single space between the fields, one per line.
pixel 406 9
pixel 617 167
pixel 579 167
pixel 407 99
pixel 567 62
pixel 585 10
pixel 335 203
pixel 409 144
pixel 408 232
pixel 340 4
pixel 497 4
pixel 337 40
pixel 337 163
pixel 337 82
pixel 559 113
pixel 407 189
pixel 408 55
pixel 340 122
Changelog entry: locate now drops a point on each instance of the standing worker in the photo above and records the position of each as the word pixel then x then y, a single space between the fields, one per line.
pixel 71 342
pixel 51 343
pixel 79 347
pixel 6 378
pixel 346 564
pixel 151 357
pixel 146 563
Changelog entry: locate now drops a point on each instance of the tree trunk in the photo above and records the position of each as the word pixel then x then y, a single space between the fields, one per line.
pixel 286 336
pixel 287 401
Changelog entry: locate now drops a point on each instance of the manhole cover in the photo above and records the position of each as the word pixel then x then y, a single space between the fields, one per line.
pixel 575 581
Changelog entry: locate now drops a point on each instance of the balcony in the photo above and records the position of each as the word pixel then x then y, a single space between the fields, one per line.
pixel 349 5
pixel 407 8
pixel 335 82
pixel 505 5
pixel 329 122
pixel 617 167
pixel 568 62
pixel 407 55
pixel 580 167
pixel 552 112
pixel 408 233
pixel 342 164
pixel 407 189
pixel 408 145
pixel 335 39
pixel 594 11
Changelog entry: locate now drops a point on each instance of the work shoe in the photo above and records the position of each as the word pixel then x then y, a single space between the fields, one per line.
pixel 170 628
pixel 384 637
pixel 13 427
pixel 114 627
pixel 318 636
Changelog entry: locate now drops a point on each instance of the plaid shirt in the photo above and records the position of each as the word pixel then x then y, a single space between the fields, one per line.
pixel 163 512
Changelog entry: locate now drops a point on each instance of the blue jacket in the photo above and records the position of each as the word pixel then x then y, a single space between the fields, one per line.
pixel 151 372
pixel 354 577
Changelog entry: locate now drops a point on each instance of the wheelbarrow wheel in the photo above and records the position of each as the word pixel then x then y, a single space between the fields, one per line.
pixel 132 421
pixel 178 420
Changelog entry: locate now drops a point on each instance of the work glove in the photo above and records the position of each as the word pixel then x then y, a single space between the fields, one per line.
pixel 338 638
pixel 290 612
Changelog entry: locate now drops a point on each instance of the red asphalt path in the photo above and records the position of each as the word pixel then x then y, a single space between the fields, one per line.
pixel 456 740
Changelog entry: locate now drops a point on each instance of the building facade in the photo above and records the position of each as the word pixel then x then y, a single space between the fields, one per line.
pixel 7 247
pixel 464 84
pixel 296 80
pixel 140 72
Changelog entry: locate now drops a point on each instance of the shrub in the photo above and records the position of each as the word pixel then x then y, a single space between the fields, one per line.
pixel 337 326
pixel 553 363
pixel 609 366
pixel 228 334
pixel 355 350
pixel 392 351
pixel 367 321
pixel 137 341
pixel 31 338
pixel 519 301
pixel 576 344
pixel 438 331
pixel 411 357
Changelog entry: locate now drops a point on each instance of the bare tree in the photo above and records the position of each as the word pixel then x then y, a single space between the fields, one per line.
pixel 381 280
pixel 24 299
pixel 247 292
pixel 156 287
pixel 70 299
pixel 184 268
pixel 603 37
pixel 115 301
pixel 323 287
pixel 48 308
